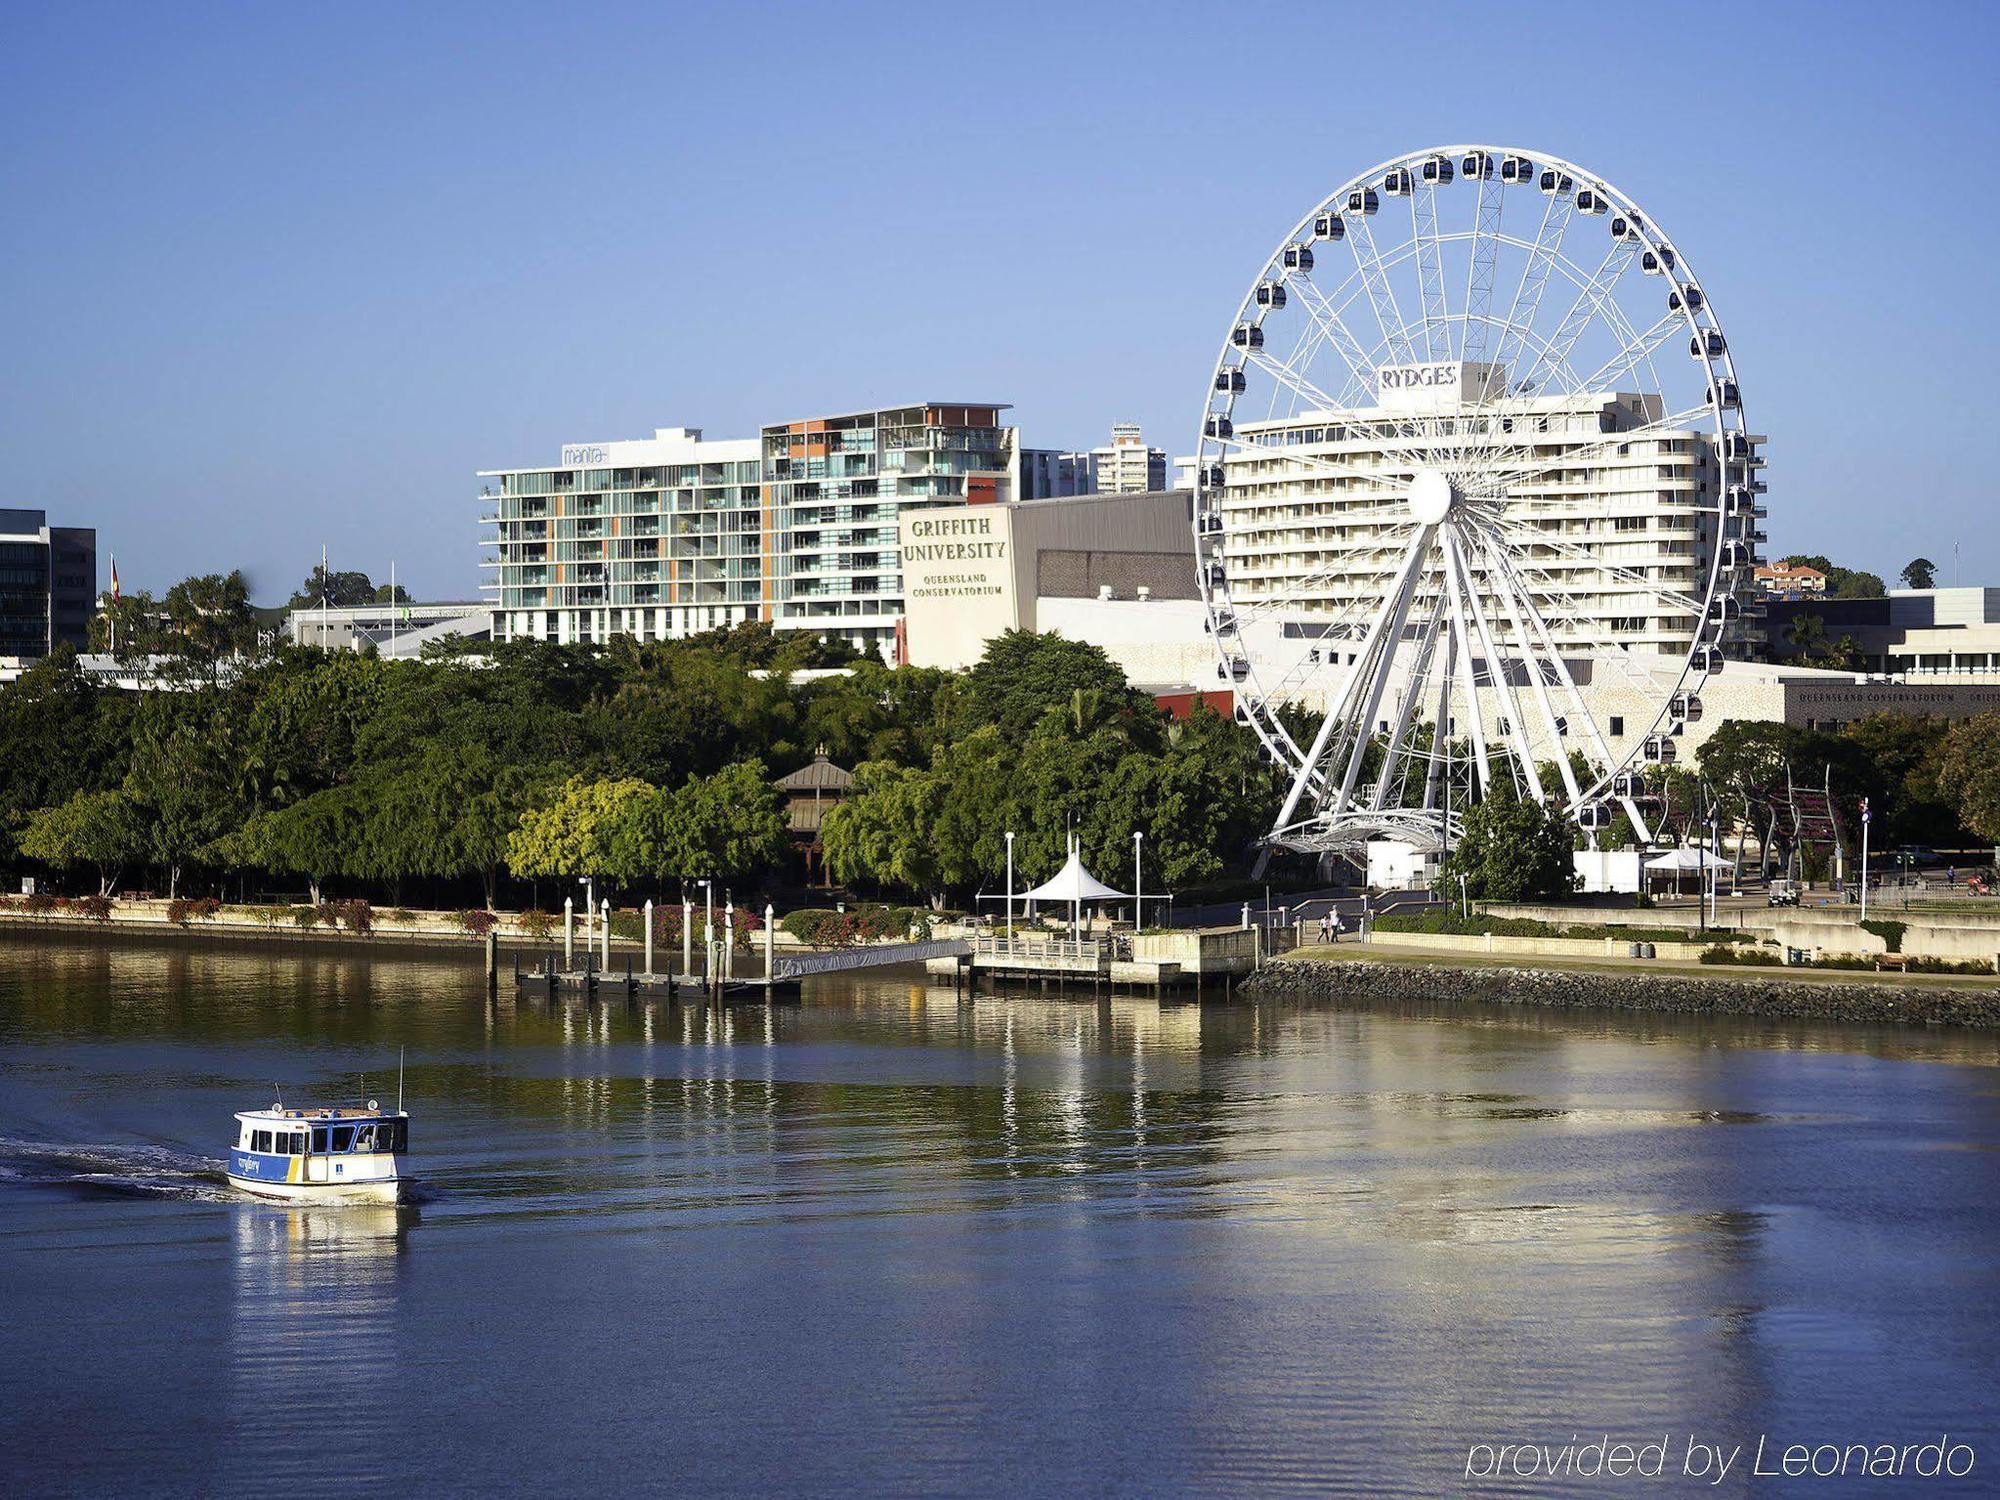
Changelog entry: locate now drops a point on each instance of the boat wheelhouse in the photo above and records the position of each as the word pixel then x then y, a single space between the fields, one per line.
pixel 321 1155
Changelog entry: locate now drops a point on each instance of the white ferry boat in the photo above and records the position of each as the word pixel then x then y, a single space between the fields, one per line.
pixel 322 1155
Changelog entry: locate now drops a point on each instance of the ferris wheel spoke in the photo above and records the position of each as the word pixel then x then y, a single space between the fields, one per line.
pixel 1637 350
pixel 1297 383
pixel 1524 536
pixel 1484 262
pixel 1333 332
pixel 1518 591
pixel 1589 302
pixel 1542 257
pixel 1430 271
pixel 1498 677
pixel 1500 580
pixel 1395 332
pixel 1458 589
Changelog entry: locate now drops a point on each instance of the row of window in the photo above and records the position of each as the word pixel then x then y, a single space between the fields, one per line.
pixel 374 1137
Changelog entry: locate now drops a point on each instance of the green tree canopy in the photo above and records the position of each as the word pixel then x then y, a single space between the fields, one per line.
pixel 572 835
pixel 1512 849
pixel 1919 573
pixel 1968 773
pixel 100 829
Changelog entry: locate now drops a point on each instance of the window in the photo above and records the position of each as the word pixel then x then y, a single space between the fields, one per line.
pixel 343 1138
pixel 364 1138
pixel 319 1140
pixel 261 1142
pixel 1617 724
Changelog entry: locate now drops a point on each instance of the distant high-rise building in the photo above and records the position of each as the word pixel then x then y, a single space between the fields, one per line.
pixel 48 583
pixel 1125 466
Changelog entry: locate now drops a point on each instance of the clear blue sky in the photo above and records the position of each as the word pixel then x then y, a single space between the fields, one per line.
pixel 275 274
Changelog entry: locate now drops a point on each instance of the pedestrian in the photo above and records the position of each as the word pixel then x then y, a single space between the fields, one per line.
pixel 1338 926
pixel 1325 929
pixel 1951 876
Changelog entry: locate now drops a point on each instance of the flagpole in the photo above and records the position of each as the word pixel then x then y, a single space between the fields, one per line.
pixel 325 625
pixel 392 608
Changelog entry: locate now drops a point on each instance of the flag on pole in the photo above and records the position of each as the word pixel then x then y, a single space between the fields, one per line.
pixel 114 578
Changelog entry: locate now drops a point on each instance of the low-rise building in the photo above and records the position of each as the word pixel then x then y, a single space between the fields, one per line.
pixel 400 629
pixel 1911 633
pixel 1790 580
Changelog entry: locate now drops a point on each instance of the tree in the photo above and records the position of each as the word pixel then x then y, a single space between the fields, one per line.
pixel 571 836
pixel 390 593
pixel 317 838
pixel 186 773
pixel 340 590
pixel 882 833
pixel 1919 573
pixel 1898 757
pixel 1512 849
pixel 59 735
pixel 1023 676
pixel 1968 772
pixel 728 826
pixel 101 829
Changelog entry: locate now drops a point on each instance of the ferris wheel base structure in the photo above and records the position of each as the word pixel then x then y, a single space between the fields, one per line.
pixel 1475 440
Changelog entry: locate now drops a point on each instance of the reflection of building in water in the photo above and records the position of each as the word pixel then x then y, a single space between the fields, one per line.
pixel 313 1349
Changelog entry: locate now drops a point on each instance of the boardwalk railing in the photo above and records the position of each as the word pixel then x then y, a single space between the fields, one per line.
pixel 839 960
pixel 1047 955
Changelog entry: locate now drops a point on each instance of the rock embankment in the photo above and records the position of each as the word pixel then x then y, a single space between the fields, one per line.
pixel 1665 994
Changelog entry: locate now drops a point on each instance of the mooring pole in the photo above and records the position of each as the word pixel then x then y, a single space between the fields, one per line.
pixel 770 947
pixel 649 937
pixel 607 933
pixel 492 959
pixel 569 933
pixel 687 937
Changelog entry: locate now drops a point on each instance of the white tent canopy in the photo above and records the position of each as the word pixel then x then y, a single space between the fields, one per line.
pixel 1074 883
pixel 1687 858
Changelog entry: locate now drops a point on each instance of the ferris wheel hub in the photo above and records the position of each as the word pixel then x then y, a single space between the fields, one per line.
pixel 1432 496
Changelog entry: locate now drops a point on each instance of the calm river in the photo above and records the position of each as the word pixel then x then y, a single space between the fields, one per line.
pixel 885 1242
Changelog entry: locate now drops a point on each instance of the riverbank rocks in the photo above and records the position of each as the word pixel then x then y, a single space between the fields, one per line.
pixel 1665 994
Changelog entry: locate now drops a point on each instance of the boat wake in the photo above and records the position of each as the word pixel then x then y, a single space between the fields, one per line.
pixel 139 1171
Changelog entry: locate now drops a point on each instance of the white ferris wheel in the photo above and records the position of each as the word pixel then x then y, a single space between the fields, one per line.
pixel 1474 486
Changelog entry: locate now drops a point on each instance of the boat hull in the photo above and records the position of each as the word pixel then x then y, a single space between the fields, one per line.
pixel 366 1190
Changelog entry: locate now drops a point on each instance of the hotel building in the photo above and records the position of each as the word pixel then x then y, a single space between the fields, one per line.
pixel 1620 535
pixel 48 584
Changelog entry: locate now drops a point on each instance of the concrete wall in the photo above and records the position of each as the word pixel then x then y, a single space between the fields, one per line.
pixel 1544 947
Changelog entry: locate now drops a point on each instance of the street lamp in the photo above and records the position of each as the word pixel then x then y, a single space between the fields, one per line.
pixel 1138 883
pixel 1010 888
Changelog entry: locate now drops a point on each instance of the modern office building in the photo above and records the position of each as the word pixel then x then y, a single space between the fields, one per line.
pixel 1621 536
pixel 833 489
pixel 48 584
pixel 657 537
pixel 1920 634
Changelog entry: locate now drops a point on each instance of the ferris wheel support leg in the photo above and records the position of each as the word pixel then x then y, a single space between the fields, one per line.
pixel 1468 683
pixel 1496 672
pixel 1337 711
pixel 1439 737
pixel 1395 753
pixel 1389 631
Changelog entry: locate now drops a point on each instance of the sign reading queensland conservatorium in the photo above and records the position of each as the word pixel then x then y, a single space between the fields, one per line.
pixel 960 586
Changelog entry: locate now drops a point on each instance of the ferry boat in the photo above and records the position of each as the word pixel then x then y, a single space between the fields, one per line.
pixel 322 1155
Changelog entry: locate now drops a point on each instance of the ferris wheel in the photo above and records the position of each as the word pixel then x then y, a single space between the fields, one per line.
pixel 1474 500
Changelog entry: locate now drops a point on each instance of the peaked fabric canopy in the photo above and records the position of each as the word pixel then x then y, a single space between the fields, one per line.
pixel 1074 883
pixel 1687 858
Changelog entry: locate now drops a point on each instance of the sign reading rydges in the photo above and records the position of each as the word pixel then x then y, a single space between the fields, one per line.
pixel 958 579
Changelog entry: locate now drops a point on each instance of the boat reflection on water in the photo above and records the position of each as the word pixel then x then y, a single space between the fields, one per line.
pixel 313 1335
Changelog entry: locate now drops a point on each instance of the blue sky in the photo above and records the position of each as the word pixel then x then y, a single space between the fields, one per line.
pixel 272 276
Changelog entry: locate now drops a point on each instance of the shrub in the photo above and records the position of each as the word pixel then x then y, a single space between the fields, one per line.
pixel 537 924
pixel 355 915
pixel 1755 958
pixel 1890 932
pixel 305 918
pixel 39 905
pixel 1929 965
pixel 179 910
pixel 97 908
pixel 477 921
pixel 818 928
pixel 1844 961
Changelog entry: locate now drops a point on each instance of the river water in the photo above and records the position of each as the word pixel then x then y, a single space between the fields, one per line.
pixel 888 1242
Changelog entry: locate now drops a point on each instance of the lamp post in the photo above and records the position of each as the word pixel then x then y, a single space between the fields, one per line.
pixel 1010 888
pixel 1138 884
pixel 1866 817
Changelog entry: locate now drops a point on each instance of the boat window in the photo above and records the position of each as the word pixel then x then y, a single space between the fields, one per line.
pixel 343 1138
pixel 295 1144
pixel 319 1139
pixel 261 1141
pixel 392 1135
pixel 364 1138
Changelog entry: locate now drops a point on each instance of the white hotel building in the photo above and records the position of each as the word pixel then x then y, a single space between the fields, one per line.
pixel 1630 527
